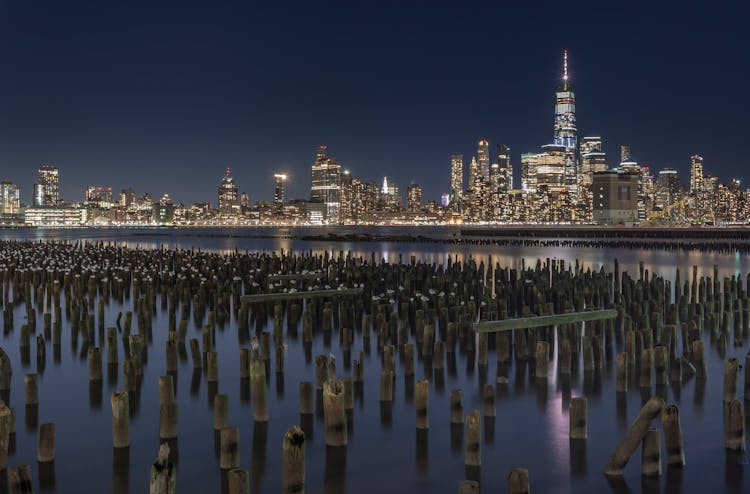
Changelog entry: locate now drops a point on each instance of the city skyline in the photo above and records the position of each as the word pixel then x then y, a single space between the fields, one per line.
pixel 191 91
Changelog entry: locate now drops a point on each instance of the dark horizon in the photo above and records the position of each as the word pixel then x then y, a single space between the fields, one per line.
pixel 164 98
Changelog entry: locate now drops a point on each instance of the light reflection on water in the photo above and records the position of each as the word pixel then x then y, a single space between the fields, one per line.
pixel 531 428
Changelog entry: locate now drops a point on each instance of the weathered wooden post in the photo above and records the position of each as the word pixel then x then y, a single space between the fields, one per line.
pixel 735 429
pixel 19 479
pixel 163 474
pixel 212 366
pixel 422 410
pixel 473 439
pixel 46 443
pixel 578 412
pixel 731 378
pixel 120 419
pixel 335 414
pixel 542 360
pixel 168 420
pixel 633 437
pixel 230 448
pixel 651 455
pixel 468 487
pixel 386 386
pixel 670 420
pixel 457 406
pixel 306 405
pixel 518 481
pixel 221 411
pixel 258 389
pixel 31 389
pixel 621 384
pixel 239 481
pixel 5 431
pixel 293 461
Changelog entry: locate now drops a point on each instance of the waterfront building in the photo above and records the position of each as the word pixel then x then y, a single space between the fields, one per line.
pixel 566 130
pixel 279 192
pixel 227 194
pixel 528 172
pixel 457 178
pixel 615 197
pixel 483 157
pixel 10 199
pixel 47 186
pixel 696 173
pixel 414 198
pixel 99 194
pixel 475 174
pixel 326 184
pixel 127 197
pixel 55 216
pixel 504 179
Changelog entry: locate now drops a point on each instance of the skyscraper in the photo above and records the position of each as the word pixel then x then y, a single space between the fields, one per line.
pixel 46 188
pixel 9 198
pixel 457 177
pixel 326 184
pixel 414 198
pixel 593 159
pixel 566 132
pixel 475 174
pixel 528 172
pixel 505 169
pixel 483 157
pixel 696 173
pixel 227 195
pixel 624 153
pixel 279 192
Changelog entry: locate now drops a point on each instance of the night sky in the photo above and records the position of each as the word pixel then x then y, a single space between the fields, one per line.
pixel 162 96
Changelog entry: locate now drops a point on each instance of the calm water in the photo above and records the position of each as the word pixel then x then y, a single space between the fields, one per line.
pixel 384 453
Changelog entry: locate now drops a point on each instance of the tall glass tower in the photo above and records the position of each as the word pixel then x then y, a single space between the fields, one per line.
pixel 566 132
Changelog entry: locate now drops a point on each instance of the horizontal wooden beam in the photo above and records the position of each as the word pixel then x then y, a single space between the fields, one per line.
pixel 290 277
pixel 302 294
pixel 540 321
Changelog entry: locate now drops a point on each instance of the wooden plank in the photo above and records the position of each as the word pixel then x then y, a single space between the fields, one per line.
pixel 539 321
pixel 290 277
pixel 271 297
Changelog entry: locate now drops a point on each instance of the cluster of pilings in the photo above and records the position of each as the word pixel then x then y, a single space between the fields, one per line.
pixel 411 311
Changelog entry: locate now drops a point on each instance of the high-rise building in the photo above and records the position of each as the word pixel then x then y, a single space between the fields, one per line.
pixel 551 166
pixel 566 132
pixel 475 174
pixel 99 193
pixel 593 159
pixel 414 197
pixel 127 197
pixel 615 197
pixel 390 197
pixel 668 187
pixel 10 199
pixel 696 174
pixel 457 178
pixel 228 195
pixel 528 172
pixel 326 184
pixel 279 191
pixel 244 202
pixel 46 188
pixel 483 157
pixel 505 169
pixel 624 153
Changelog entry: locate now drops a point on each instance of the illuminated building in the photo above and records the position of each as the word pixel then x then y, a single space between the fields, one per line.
pixel 244 202
pixel 505 169
pixel 98 193
pixel 566 132
pixel 593 159
pixel 46 188
pixel 483 157
pixel 624 153
pixel 326 184
pixel 615 197
pixel 10 199
pixel 414 198
pixel 475 174
pixel 551 165
pixel 54 216
pixel 279 192
pixel 668 187
pixel 457 178
pixel 227 194
pixel 528 172
pixel 445 199
pixel 390 197
pixel 127 197
pixel 696 174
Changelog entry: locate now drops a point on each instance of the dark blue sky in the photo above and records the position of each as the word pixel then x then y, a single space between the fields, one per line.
pixel 162 96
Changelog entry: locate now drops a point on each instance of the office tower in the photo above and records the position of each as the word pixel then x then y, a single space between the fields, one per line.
pixel 615 197
pixel 624 153
pixel 483 157
pixel 10 199
pixel 389 195
pixel 566 132
pixel 127 197
pixel 244 201
pixel 457 177
pixel 279 192
pixel 326 184
pixel 445 199
pixel 99 193
pixel 668 187
pixel 46 188
pixel 551 166
pixel 593 159
pixel 228 195
pixel 696 174
pixel 414 198
pixel 475 174
pixel 505 169
pixel 528 172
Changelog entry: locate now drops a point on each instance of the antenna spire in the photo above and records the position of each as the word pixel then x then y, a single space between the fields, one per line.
pixel 565 65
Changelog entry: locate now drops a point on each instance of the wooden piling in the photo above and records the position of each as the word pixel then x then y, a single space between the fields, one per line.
pixel 335 413
pixel 46 443
pixel 633 437
pixel 651 455
pixel 670 420
pixel 120 419
pixel 293 461
pixel 578 415
pixel 229 457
